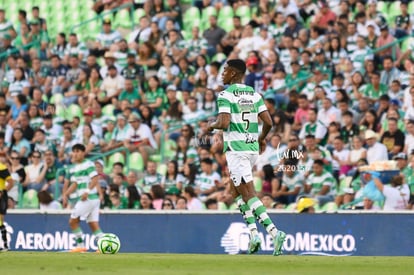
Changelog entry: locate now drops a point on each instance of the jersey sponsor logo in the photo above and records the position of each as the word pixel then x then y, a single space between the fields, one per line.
pixel 238 93
pixel 245 104
pixel 236 240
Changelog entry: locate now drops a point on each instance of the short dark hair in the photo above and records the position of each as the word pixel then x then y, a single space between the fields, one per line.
pixel 318 162
pixel 79 147
pixel 348 113
pixel 238 65
pixel 207 161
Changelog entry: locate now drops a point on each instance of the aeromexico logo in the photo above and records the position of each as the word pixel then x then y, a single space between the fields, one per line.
pixel 236 240
pixel 56 241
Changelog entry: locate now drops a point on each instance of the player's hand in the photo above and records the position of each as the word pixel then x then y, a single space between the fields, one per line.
pixel 210 128
pixel 262 146
pixel 64 201
pixel 84 197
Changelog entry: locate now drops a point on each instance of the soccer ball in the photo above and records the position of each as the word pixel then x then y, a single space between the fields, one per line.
pixel 109 244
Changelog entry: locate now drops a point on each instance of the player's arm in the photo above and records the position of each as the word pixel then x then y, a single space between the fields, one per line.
pixel 5 174
pixel 224 116
pixel 10 184
pixel 222 122
pixel 267 126
pixel 70 190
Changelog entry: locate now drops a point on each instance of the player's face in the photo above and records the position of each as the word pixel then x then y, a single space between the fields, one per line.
pixel 78 155
pixel 228 75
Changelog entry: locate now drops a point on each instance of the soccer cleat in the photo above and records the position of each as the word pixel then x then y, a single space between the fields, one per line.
pixel 78 250
pixel 254 244
pixel 278 243
pixel 4 249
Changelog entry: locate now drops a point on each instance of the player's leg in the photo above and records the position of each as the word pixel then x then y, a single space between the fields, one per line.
pixel 244 185
pixel 93 219
pixel 249 219
pixel 3 210
pixel 79 213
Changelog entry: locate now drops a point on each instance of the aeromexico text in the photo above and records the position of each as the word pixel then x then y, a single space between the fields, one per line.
pixel 316 244
pixel 50 241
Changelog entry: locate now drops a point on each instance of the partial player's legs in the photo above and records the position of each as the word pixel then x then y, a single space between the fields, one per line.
pixel 249 218
pixel 77 231
pixel 248 194
pixel 96 230
pixel 3 211
pixel 93 219
pixel 240 166
pixel 3 235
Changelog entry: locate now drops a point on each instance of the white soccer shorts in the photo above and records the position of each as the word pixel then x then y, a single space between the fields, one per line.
pixel 241 166
pixel 86 210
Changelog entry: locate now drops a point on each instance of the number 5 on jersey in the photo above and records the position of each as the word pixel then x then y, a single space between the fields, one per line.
pixel 245 118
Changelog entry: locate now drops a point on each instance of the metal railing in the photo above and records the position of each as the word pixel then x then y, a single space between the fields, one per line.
pixel 129 6
pixel 7 53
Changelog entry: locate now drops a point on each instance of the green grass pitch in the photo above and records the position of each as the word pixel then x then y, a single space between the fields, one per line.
pixel 30 263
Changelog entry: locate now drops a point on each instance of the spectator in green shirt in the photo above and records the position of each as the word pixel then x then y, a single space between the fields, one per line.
pixel 131 94
pixel 375 89
pixel 39 39
pixel 297 74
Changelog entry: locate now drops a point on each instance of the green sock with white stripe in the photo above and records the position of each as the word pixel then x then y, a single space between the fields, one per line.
pixel 78 237
pixel 260 213
pixel 98 234
pixel 248 216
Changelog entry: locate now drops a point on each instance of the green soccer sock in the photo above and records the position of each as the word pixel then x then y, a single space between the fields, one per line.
pixel 247 216
pixel 78 237
pixel 98 234
pixel 260 213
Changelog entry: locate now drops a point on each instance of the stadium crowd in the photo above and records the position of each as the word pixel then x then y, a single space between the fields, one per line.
pixel 339 95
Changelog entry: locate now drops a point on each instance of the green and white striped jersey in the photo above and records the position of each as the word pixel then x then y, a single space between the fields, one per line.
pixel 317 182
pixel 81 174
pixel 244 105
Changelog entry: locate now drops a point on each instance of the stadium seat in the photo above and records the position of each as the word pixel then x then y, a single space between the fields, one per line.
pixel 56 99
pixel 291 207
pixel 162 169
pixel 393 11
pixel 30 200
pixel 329 207
pixel 411 8
pixel 226 12
pixel 116 157
pixel 123 19
pixel 74 110
pixel 138 14
pixel 191 18
pixel 219 57
pixel 243 11
pixel 226 23
pixel 60 111
pixel 191 14
pixel 382 7
pixel 136 162
pixel 155 158
pixel 108 110
pixel 406 43
pixel 207 12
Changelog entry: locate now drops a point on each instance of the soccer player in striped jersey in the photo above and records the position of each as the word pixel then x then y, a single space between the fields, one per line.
pixel 84 180
pixel 239 110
